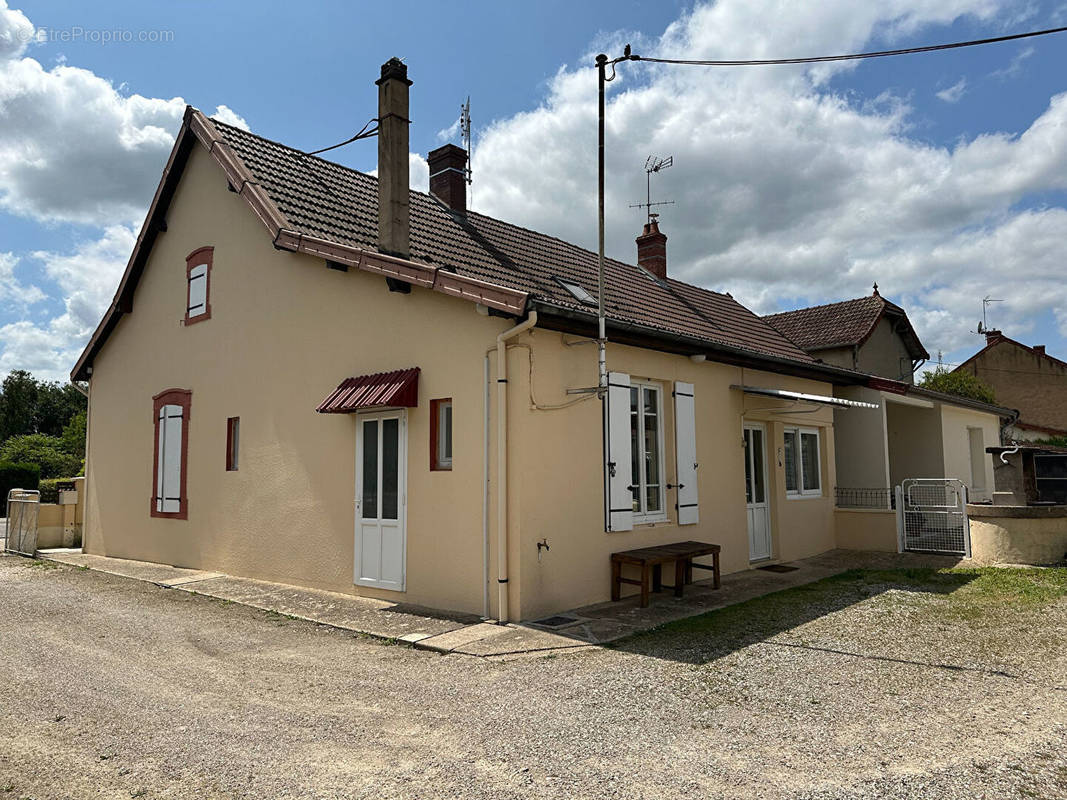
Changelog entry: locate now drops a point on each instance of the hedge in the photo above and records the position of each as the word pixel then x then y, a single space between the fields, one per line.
pixel 17 476
pixel 50 488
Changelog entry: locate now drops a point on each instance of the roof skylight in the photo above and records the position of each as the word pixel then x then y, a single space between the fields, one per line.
pixel 578 292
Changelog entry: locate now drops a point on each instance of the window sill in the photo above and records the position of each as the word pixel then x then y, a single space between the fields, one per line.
pixel 652 522
pixel 797 496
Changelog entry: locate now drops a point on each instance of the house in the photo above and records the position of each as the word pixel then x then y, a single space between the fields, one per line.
pixel 868 334
pixel 318 377
pixel 1026 378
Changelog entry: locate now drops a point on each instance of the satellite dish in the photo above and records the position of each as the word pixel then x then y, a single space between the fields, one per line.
pixel 980 328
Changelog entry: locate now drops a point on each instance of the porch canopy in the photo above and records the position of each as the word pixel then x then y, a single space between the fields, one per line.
pixel 399 388
pixel 786 394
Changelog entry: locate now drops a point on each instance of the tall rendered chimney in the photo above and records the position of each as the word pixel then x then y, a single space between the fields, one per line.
pixel 448 176
pixel 394 222
pixel 652 249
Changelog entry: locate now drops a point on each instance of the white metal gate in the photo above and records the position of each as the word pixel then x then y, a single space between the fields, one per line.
pixel 22 508
pixel 932 516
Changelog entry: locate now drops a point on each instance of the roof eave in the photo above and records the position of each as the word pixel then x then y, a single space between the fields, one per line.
pixel 641 335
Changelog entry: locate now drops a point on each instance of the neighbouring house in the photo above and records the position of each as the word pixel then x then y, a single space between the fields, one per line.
pixel 917 433
pixel 1026 378
pixel 318 377
pixel 868 334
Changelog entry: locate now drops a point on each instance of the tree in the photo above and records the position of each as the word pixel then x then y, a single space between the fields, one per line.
pixel 28 405
pixel 18 404
pixel 74 435
pixel 47 452
pixel 57 404
pixel 961 384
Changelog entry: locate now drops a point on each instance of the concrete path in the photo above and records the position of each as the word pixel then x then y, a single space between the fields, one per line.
pixel 446 633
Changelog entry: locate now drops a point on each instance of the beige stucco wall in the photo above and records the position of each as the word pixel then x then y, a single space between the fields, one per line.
pixel 866 529
pixel 883 353
pixel 915 441
pixel 1011 540
pixel 284 331
pixel 860 440
pixel 561 478
pixel 955 424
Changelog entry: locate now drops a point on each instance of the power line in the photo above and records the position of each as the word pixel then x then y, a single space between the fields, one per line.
pixel 847 57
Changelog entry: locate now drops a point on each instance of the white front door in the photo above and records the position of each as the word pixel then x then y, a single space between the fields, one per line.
pixel 759 513
pixel 381 500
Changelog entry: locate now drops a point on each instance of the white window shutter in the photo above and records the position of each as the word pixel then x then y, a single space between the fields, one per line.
pixel 686 451
pixel 198 290
pixel 170 458
pixel 620 500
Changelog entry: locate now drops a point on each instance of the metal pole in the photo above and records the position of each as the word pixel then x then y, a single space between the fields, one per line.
pixel 601 63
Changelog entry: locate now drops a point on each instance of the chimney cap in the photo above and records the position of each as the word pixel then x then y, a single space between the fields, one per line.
pixel 392 69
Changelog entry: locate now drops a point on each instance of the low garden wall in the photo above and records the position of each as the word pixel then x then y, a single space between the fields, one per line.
pixel 866 529
pixel 1018 534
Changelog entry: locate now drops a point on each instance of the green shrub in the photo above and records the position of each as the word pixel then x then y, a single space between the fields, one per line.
pixel 961 384
pixel 47 452
pixel 49 488
pixel 16 476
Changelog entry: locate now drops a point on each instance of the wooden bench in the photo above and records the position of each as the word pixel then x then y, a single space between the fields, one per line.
pixel 651 561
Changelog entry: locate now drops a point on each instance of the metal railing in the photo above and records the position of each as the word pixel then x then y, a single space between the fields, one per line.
pixel 848 497
pixel 22 508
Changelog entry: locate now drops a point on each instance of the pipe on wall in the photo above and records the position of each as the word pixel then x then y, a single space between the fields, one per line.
pixel 485 492
pixel 502 461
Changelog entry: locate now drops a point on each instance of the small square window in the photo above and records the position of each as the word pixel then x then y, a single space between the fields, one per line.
pixel 233 442
pixel 441 434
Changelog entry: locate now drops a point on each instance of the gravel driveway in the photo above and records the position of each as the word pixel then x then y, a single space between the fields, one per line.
pixel 851 688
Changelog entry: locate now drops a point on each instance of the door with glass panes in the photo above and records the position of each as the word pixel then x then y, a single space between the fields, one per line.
pixel 381 500
pixel 756 503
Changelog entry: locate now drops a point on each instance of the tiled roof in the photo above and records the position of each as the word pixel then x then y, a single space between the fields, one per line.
pixel 833 325
pixel 323 199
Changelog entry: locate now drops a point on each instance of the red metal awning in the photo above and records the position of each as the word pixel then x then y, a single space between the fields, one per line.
pixel 381 390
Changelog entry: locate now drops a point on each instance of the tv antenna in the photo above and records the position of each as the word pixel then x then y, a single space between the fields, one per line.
pixel 983 326
pixel 653 164
pixel 465 133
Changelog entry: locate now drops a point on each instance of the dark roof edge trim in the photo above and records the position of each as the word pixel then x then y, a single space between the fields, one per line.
pixel 641 335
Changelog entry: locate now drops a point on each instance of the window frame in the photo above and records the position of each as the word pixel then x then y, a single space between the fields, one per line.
pixel 800 491
pixel 642 516
pixel 202 255
pixel 233 444
pixel 438 462
pixel 171 397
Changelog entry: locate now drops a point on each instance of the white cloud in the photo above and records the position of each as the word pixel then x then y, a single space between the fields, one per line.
pixel 228 116
pixel 788 192
pixel 12 291
pixel 954 92
pixel 1015 66
pixel 73 147
pixel 88 277
pixel 449 133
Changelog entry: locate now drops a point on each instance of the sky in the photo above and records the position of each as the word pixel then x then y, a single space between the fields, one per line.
pixel 942 177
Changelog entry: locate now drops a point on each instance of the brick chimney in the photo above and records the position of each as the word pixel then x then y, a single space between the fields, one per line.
pixel 448 176
pixel 1039 349
pixel 991 337
pixel 394 220
pixel 652 249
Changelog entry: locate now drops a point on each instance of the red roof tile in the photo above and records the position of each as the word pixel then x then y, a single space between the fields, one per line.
pixel 324 199
pixel 843 324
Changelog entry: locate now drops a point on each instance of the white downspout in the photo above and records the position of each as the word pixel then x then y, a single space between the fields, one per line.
pixel 502 461
pixel 485 490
